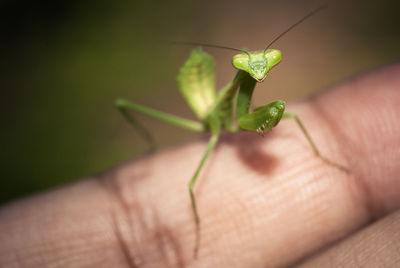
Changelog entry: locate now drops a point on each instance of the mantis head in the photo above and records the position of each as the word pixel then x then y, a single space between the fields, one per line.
pixel 258 63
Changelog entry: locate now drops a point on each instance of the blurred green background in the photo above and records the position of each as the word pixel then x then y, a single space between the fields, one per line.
pixel 63 63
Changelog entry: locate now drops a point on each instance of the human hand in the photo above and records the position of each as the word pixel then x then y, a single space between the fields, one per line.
pixel 263 202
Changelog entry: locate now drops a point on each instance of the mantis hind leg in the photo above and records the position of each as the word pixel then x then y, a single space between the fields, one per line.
pixel 211 145
pixel 125 106
pixel 136 124
pixel 312 144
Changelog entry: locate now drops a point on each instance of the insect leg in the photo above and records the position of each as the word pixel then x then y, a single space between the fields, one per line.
pixel 124 107
pixel 311 142
pixel 211 145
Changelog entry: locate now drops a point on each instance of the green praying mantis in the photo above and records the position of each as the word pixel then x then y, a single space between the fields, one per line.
pixel 196 81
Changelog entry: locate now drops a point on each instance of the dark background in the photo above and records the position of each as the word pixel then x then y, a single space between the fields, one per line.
pixel 62 64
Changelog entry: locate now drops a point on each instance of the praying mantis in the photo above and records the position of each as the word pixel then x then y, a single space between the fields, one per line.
pixel 215 111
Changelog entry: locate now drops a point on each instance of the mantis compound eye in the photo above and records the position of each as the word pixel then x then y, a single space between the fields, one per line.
pixel 241 62
pixel 273 56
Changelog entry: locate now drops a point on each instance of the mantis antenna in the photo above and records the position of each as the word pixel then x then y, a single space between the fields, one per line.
pixel 269 45
pixel 297 23
pixel 209 45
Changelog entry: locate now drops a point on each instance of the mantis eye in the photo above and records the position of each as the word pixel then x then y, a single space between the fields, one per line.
pixel 241 62
pixel 273 56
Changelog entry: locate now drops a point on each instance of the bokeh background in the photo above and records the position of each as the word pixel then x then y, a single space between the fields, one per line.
pixel 63 63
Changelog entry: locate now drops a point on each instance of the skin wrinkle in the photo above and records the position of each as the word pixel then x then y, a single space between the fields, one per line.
pixel 167 243
pixel 235 202
pixel 109 182
pixel 161 233
pixel 47 251
pixel 245 218
pixel 121 242
pixel 382 251
pixel 365 195
pixel 42 231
